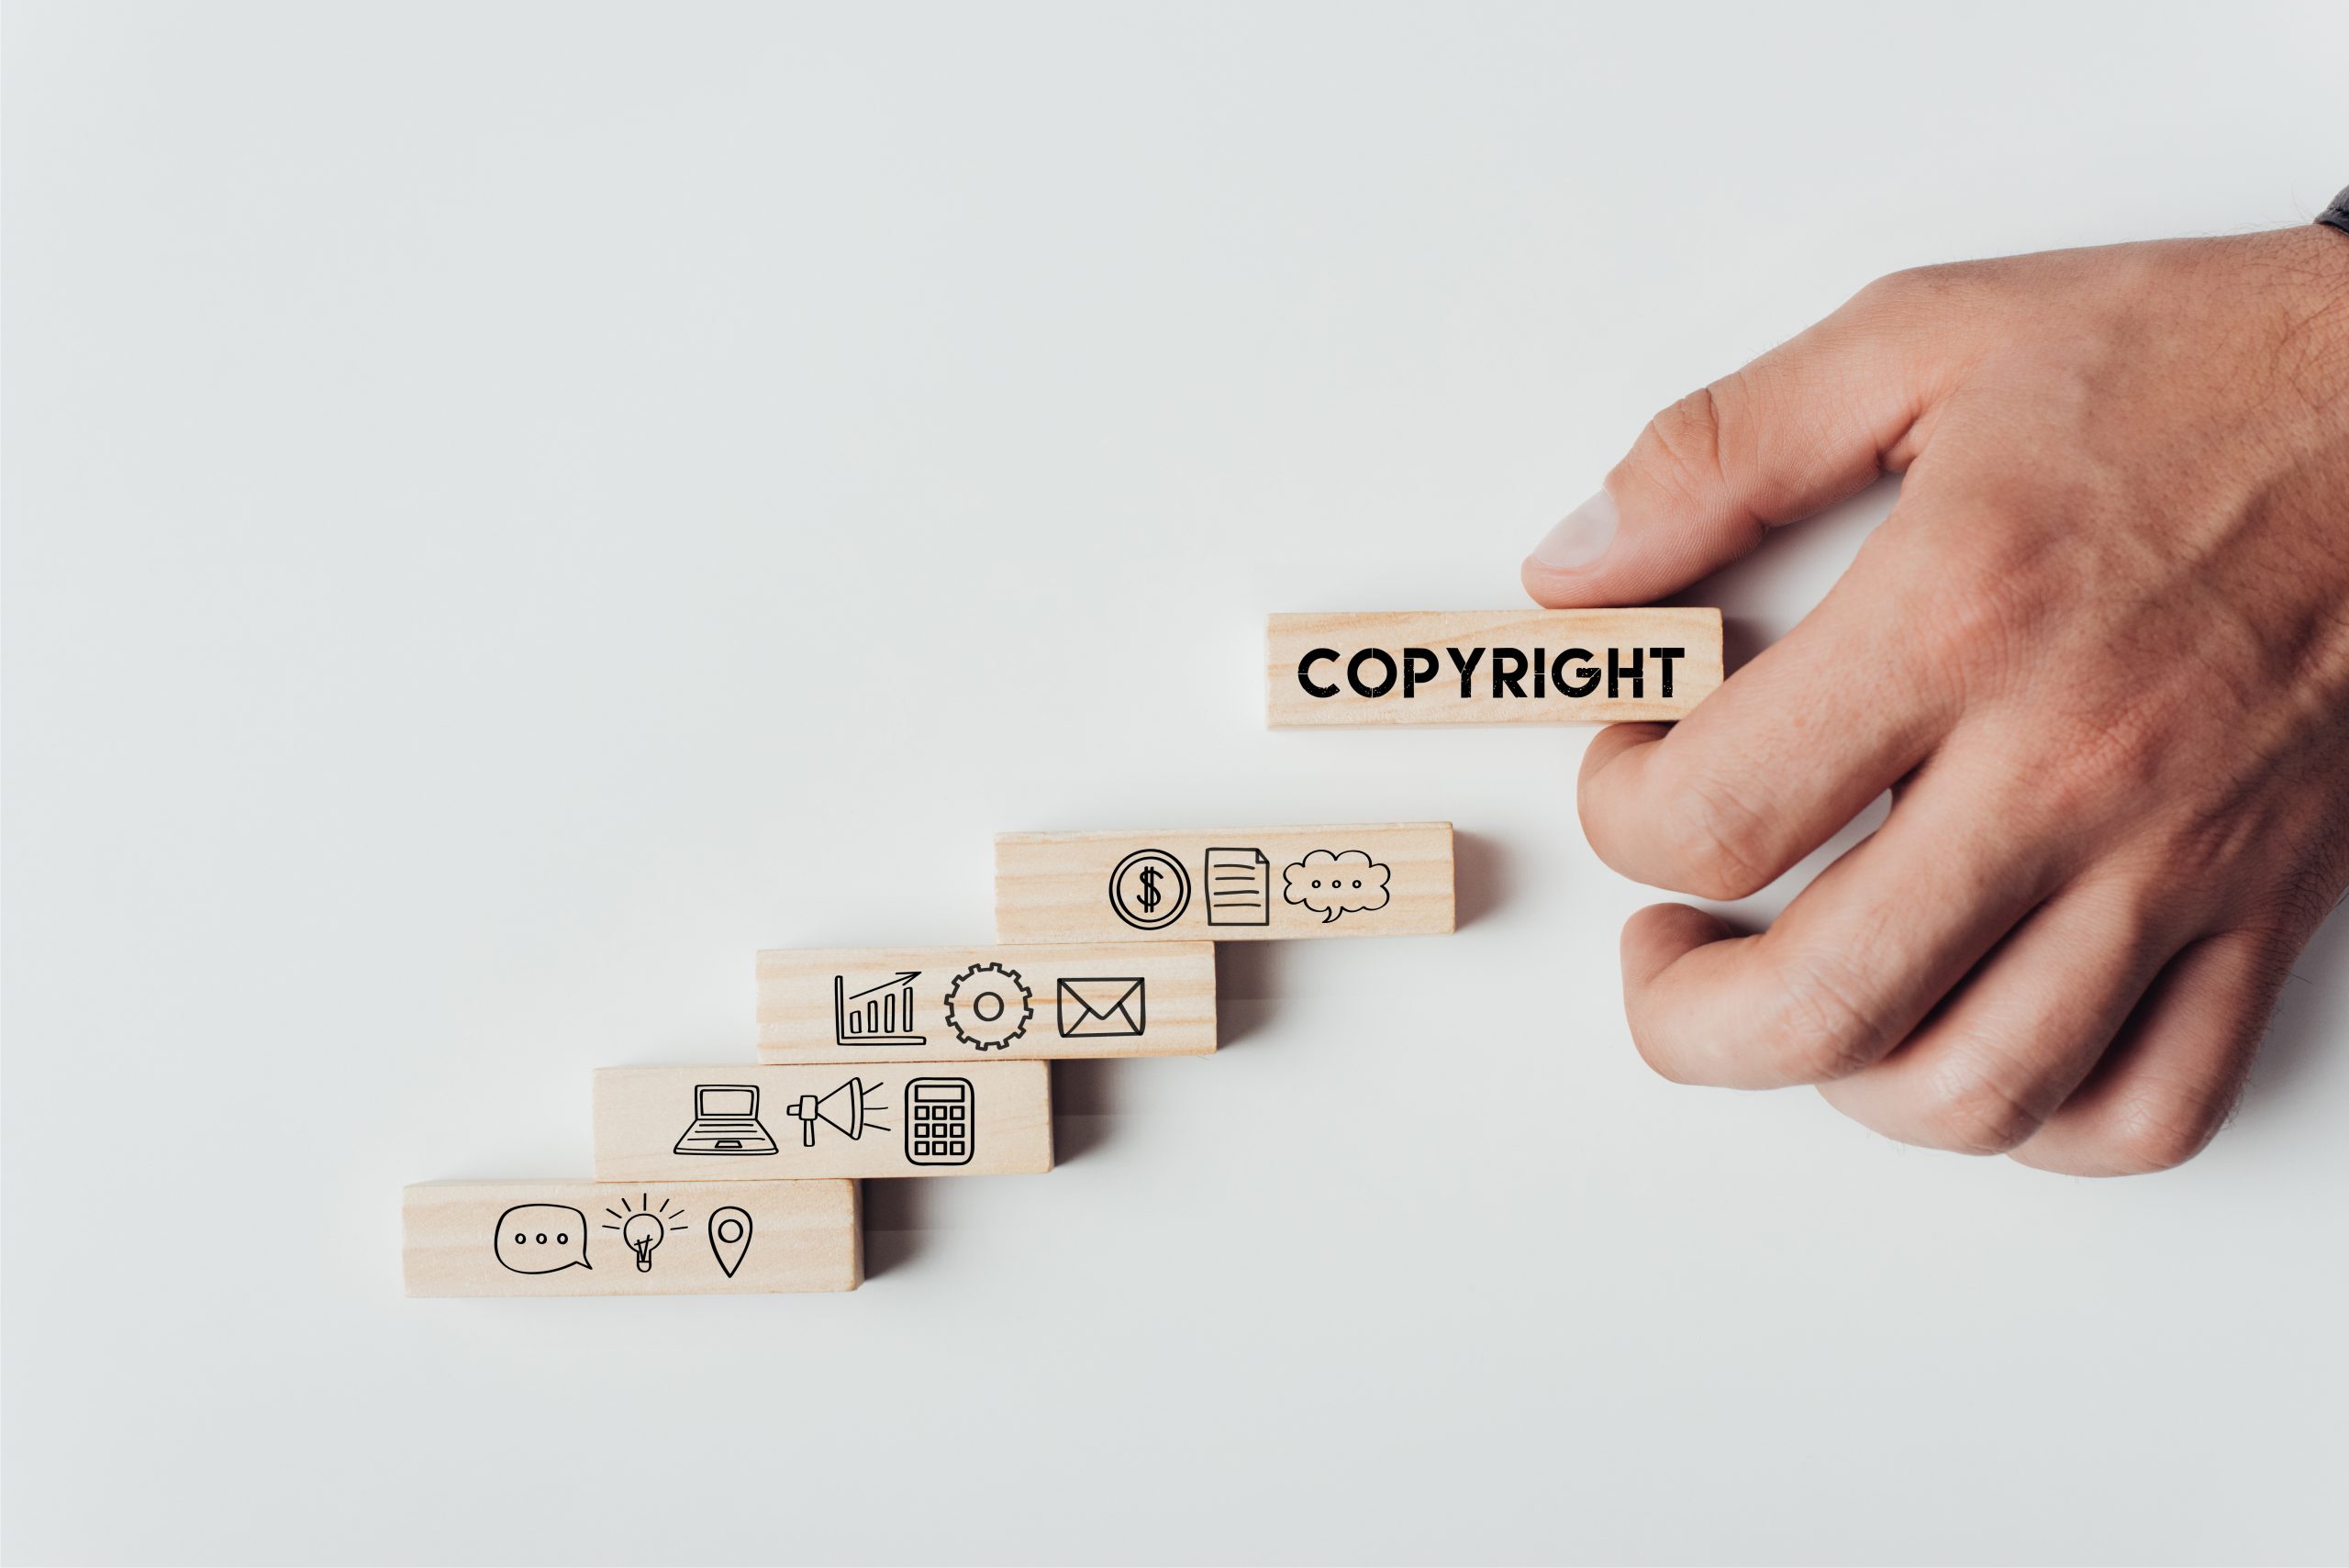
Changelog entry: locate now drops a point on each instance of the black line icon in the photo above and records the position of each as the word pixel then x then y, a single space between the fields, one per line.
pixel 1331 883
pixel 729 1237
pixel 1149 889
pixel 989 1007
pixel 848 1109
pixel 642 1226
pixel 726 1121
pixel 885 1016
pixel 1102 1007
pixel 542 1239
pixel 942 1128
pixel 1239 887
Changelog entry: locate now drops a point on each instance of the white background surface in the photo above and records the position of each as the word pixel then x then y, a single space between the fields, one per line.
pixel 511 509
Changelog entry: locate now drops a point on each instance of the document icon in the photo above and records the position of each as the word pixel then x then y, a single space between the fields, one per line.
pixel 1240 889
pixel 1093 1010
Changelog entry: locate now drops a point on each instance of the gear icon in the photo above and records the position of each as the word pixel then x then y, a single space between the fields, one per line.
pixel 989 1007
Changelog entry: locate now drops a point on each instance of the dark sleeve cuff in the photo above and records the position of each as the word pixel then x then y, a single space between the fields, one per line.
pixel 2337 214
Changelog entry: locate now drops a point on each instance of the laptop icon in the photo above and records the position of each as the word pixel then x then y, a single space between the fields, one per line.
pixel 726 1121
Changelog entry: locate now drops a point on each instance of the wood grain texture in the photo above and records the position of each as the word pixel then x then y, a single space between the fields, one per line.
pixel 864 1004
pixel 1548 656
pixel 570 1238
pixel 644 1114
pixel 1227 884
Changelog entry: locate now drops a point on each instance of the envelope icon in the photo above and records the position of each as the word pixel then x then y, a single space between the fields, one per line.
pixel 1099 1008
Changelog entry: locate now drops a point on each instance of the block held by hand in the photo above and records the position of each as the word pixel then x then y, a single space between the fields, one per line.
pixel 1489 666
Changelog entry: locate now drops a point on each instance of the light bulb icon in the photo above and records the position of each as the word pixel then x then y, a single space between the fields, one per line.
pixel 643 1233
pixel 642 1225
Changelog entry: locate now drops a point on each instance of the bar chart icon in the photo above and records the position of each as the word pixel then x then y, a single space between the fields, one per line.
pixel 878 1014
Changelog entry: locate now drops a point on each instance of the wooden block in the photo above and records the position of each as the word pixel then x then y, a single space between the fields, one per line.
pixel 764 1123
pixel 589 1239
pixel 1228 884
pixel 1489 666
pixel 867 1005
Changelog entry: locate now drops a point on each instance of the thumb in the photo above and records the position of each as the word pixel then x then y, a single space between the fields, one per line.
pixel 1813 420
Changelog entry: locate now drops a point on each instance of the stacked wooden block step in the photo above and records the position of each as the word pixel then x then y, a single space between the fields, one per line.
pixel 915 1061
pixel 742 1177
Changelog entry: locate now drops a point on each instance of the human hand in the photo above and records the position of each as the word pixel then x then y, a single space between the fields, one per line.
pixel 2098 652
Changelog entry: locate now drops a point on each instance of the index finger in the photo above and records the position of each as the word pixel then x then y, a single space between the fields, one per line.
pixel 1768 767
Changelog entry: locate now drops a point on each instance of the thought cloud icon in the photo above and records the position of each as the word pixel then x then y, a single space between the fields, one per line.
pixel 1335 883
pixel 542 1239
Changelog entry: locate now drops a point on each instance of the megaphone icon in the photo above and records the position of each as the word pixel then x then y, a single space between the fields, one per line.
pixel 843 1111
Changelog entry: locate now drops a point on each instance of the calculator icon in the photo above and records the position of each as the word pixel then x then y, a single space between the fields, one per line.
pixel 939 1129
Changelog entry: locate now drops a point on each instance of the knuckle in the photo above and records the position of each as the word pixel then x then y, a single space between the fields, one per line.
pixel 2102 756
pixel 1984 617
pixel 2121 754
pixel 1969 1111
pixel 1893 294
pixel 1914 292
pixel 1717 844
pixel 1711 451
pixel 1682 446
pixel 1819 1030
pixel 2304 898
pixel 2162 1129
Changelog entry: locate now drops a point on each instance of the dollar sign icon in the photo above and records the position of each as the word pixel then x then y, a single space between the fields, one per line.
pixel 1150 890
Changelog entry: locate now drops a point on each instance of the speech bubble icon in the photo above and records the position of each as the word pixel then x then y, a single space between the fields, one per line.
pixel 542 1239
pixel 1332 883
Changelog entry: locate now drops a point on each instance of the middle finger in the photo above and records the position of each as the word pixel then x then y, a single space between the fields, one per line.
pixel 1769 767
pixel 1857 958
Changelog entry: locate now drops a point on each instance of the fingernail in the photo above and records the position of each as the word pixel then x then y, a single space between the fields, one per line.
pixel 1581 537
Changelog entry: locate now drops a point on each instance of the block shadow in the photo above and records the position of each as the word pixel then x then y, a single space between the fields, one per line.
pixel 1742 638
pixel 1247 988
pixel 1086 1097
pixel 895 1215
pixel 1480 878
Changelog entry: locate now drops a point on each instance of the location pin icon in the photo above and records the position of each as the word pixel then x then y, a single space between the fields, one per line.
pixel 729 1237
